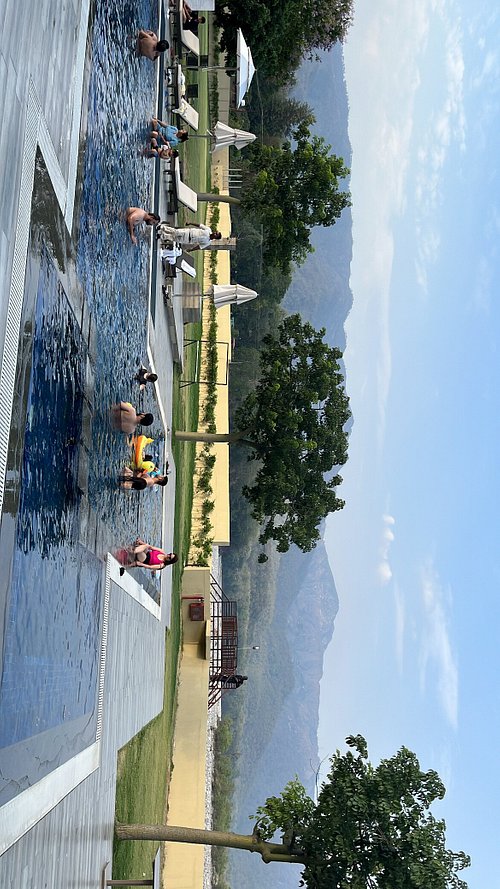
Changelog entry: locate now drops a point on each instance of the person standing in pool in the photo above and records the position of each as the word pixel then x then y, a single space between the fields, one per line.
pixel 134 216
pixel 149 46
pixel 125 417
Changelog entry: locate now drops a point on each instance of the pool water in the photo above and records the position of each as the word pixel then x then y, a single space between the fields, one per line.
pixel 114 273
pixel 83 337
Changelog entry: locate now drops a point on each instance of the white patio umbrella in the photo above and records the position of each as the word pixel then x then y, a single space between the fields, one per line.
pixel 225 137
pixel 232 294
pixel 245 68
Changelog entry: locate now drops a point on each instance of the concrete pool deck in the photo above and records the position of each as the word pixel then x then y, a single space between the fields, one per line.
pixel 42 76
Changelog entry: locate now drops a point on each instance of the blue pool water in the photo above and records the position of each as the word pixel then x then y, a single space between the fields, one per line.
pixel 64 457
pixel 50 658
pixel 114 273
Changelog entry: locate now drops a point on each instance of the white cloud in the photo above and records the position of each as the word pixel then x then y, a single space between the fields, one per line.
pixel 383 77
pixel 384 572
pixel 489 71
pixel 384 569
pixel 484 285
pixel 446 127
pixel 436 653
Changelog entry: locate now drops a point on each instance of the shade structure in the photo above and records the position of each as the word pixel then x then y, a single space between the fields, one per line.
pixel 232 294
pixel 225 137
pixel 245 68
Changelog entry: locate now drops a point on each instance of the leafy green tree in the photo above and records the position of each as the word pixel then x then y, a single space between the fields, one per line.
pixel 293 421
pixel 284 114
pixel 370 828
pixel 295 188
pixel 281 32
pixel 325 23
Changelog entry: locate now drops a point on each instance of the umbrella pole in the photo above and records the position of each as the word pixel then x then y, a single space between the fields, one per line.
pixel 211 68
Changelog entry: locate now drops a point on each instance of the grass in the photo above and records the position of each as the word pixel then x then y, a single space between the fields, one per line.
pixel 195 152
pixel 143 772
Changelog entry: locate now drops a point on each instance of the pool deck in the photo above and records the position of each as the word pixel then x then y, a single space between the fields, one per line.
pixel 42 60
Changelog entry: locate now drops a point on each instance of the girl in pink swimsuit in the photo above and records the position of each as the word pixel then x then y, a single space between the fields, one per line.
pixel 152 557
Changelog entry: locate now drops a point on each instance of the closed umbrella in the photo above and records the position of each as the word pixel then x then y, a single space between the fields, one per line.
pixel 232 294
pixel 225 137
pixel 245 68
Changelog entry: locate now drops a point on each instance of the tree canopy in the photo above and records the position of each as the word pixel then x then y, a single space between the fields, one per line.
pixel 293 422
pixel 297 413
pixel 370 828
pixel 296 187
pixel 281 32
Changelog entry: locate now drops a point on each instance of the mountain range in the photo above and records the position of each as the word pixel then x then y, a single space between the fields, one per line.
pixel 279 706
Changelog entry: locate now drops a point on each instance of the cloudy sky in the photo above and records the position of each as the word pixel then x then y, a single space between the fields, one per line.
pixel 415 657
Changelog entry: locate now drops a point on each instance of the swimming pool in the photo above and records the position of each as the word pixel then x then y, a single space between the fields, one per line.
pixel 83 336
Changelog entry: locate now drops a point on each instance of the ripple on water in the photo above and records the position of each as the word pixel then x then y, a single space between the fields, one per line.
pixel 54 600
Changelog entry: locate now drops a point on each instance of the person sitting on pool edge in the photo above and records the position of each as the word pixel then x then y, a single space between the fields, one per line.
pixel 162 151
pixel 151 557
pixel 167 133
pixel 125 417
pixel 193 22
pixel 149 46
pixel 134 216
pixel 188 15
pixel 139 481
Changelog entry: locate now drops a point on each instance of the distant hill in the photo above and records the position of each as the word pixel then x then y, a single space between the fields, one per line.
pixel 320 288
pixel 305 608
pixel 277 711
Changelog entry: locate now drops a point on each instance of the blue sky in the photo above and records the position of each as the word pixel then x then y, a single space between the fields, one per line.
pixel 415 657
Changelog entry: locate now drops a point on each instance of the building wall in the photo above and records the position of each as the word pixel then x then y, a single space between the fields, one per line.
pixel 220 479
pixel 220 517
pixel 195 586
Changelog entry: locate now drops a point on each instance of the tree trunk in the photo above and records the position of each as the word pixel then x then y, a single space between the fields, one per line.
pixel 268 851
pixel 215 437
pixel 218 198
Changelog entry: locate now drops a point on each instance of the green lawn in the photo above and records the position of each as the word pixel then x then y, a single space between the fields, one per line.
pixel 195 153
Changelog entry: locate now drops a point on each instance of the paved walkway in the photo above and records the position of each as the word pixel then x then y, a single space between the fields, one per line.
pixel 42 68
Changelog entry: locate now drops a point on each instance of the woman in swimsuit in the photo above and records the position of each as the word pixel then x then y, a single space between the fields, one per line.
pixel 152 557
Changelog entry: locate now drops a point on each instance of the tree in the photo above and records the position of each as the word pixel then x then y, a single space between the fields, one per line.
pixel 284 114
pixel 371 827
pixel 288 190
pixel 294 189
pixel 281 32
pixel 293 422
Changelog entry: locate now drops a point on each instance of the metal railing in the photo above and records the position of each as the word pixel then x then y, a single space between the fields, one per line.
pixel 223 643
